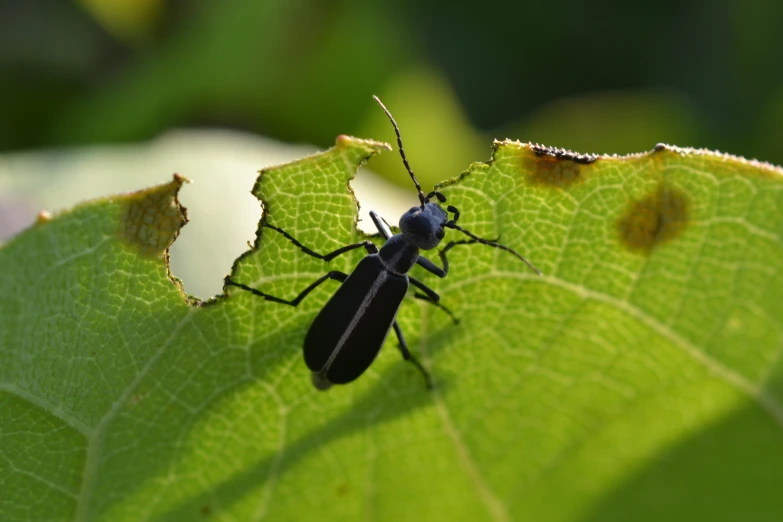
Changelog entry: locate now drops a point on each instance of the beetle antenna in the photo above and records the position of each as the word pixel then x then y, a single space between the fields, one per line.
pixel 491 243
pixel 422 198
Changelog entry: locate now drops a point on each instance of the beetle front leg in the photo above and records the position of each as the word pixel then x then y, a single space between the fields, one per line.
pixel 334 274
pixel 369 246
pixel 383 227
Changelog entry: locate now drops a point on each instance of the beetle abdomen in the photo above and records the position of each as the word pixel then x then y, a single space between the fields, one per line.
pixel 348 332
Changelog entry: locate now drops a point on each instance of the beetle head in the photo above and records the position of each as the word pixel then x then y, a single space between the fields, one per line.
pixel 423 226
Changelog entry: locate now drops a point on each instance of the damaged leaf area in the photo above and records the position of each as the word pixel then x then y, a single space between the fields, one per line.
pixel 640 377
pixel 154 217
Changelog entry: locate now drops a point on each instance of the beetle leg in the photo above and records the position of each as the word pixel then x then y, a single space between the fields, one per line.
pixel 406 354
pixel 368 245
pixel 428 299
pixel 431 297
pixel 337 276
pixel 426 289
pixel 383 227
pixel 431 267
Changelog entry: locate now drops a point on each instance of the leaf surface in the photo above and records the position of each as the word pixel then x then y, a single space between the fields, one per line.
pixel 640 377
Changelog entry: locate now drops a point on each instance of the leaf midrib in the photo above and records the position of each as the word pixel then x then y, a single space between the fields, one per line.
pixel 95 442
pixel 768 402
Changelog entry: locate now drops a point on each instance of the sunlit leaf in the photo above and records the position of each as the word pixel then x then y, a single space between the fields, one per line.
pixel 638 379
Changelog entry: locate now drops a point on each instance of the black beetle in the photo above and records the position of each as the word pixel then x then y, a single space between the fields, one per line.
pixel 348 332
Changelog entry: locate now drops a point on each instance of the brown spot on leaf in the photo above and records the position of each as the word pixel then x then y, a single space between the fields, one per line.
pixel 343 489
pixel 205 510
pixel 654 219
pixel 555 167
pixel 554 152
pixel 154 217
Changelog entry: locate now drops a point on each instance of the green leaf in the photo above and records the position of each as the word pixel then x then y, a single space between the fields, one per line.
pixel 639 379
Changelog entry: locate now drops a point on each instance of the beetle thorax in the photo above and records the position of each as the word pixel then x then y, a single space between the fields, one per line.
pixel 399 254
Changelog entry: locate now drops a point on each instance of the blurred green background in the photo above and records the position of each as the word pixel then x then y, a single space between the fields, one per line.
pixel 608 76
pixel 604 76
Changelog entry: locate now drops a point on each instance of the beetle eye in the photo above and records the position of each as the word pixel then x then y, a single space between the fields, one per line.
pixel 440 233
